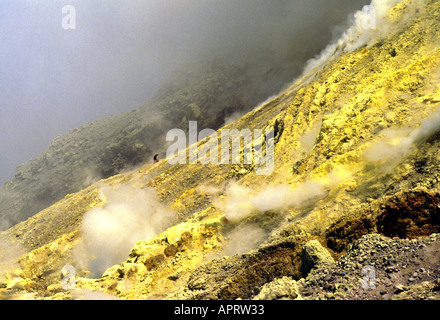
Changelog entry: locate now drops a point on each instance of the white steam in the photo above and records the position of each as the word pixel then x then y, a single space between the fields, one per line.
pixel 369 25
pixel 84 294
pixel 399 143
pixel 9 253
pixel 241 202
pixel 129 215
pixel 233 117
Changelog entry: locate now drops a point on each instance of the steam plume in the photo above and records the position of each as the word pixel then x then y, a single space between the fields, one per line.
pixel 397 143
pixel 129 215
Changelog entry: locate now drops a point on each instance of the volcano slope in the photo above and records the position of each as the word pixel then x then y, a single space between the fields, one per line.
pixel 354 185
pixel 105 147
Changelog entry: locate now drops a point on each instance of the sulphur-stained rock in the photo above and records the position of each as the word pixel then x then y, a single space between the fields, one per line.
pixel 314 254
pixel 411 214
pixel 280 289
pixel 185 238
pixel 406 214
pixel 102 148
pixel 173 249
pixel 3 282
pixel 356 158
pixel 154 262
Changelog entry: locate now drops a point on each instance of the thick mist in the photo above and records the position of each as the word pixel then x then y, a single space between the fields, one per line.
pixel 56 79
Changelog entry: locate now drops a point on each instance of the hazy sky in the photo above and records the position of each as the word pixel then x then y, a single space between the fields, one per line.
pixel 53 79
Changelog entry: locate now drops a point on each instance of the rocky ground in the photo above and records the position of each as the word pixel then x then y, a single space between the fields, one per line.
pixel 374 268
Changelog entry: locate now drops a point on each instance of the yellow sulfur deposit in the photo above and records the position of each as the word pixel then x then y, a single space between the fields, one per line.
pixel 350 135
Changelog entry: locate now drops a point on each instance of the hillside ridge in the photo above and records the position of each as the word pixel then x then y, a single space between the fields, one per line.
pixel 356 159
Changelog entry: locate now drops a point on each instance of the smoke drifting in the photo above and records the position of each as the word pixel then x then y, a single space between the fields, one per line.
pixel 243 239
pixel 109 232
